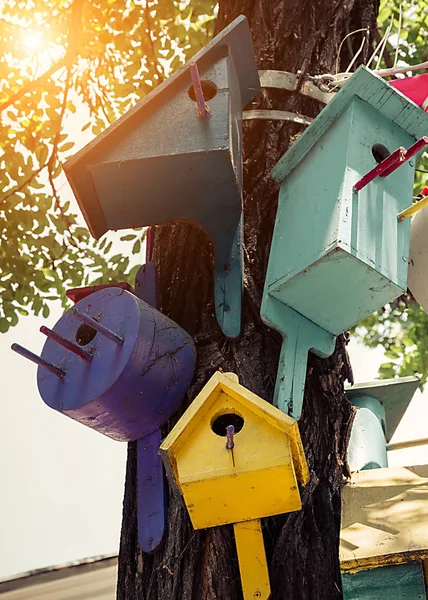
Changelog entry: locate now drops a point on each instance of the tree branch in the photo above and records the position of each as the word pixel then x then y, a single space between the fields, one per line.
pixel 32 85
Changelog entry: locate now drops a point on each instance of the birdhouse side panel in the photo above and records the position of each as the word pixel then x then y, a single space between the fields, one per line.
pixel 397 582
pixel 241 497
pixel 369 228
pixel 160 189
pixel 235 120
pixel 307 222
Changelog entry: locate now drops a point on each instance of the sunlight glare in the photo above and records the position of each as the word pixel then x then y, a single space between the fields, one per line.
pixel 33 41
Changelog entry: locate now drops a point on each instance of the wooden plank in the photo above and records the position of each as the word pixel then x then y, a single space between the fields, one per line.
pixel 252 560
pixel 400 582
pixel 384 518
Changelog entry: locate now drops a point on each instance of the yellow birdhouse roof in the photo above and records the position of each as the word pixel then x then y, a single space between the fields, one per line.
pixel 223 394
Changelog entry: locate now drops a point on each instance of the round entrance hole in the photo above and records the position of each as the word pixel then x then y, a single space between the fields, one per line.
pixel 209 90
pixel 219 425
pixel 85 334
pixel 380 152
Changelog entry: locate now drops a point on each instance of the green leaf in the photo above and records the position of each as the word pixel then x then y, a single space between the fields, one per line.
pixel 66 146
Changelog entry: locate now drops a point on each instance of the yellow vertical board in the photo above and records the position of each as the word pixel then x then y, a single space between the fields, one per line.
pixel 252 560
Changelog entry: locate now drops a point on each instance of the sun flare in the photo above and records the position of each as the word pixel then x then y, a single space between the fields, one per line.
pixel 33 41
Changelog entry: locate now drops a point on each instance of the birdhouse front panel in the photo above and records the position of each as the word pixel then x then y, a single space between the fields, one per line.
pixel 127 386
pixel 256 480
pixel 337 254
pixel 165 163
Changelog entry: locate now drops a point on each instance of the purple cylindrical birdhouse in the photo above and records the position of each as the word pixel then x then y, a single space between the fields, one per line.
pixel 116 364
pixel 137 368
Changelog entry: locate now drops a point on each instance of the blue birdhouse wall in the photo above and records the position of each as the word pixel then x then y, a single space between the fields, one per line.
pixel 338 254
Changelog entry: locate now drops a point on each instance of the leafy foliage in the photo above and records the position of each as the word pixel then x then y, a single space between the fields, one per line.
pixel 402 329
pixel 58 57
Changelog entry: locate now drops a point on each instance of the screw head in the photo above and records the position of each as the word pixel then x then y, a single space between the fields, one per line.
pixel 257 595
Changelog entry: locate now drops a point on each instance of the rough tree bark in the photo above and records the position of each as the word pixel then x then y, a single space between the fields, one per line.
pixel 302 548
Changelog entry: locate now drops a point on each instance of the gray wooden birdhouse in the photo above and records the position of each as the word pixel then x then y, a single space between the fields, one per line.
pixel 177 155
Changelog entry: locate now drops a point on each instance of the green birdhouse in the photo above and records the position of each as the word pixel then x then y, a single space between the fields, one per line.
pixel 339 251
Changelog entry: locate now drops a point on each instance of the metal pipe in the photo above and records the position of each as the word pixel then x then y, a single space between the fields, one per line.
pixel 62 341
pixel 75 312
pixel 38 360
pixel 408 444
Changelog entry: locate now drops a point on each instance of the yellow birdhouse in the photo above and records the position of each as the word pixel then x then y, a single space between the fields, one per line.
pixel 235 458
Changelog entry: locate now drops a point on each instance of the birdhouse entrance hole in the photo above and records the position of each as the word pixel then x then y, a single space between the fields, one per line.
pixel 380 152
pixel 85 334
pixel 219 425
pixel 209 90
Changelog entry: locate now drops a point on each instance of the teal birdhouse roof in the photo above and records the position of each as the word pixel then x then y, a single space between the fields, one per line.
pixel 394 395
pixel 370 88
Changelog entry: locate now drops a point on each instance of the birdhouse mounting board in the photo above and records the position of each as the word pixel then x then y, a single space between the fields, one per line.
pixel 299 336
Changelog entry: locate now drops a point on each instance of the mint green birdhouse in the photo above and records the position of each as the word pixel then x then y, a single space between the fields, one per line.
pixel 339 251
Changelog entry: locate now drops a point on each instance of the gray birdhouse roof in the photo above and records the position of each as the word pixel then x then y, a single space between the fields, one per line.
pixel 370 88
pixel 234 40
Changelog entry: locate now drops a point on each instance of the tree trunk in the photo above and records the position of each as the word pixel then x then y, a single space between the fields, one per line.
pixel 302 547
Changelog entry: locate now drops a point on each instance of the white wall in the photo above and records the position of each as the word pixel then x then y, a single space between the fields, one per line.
pixel 61 483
